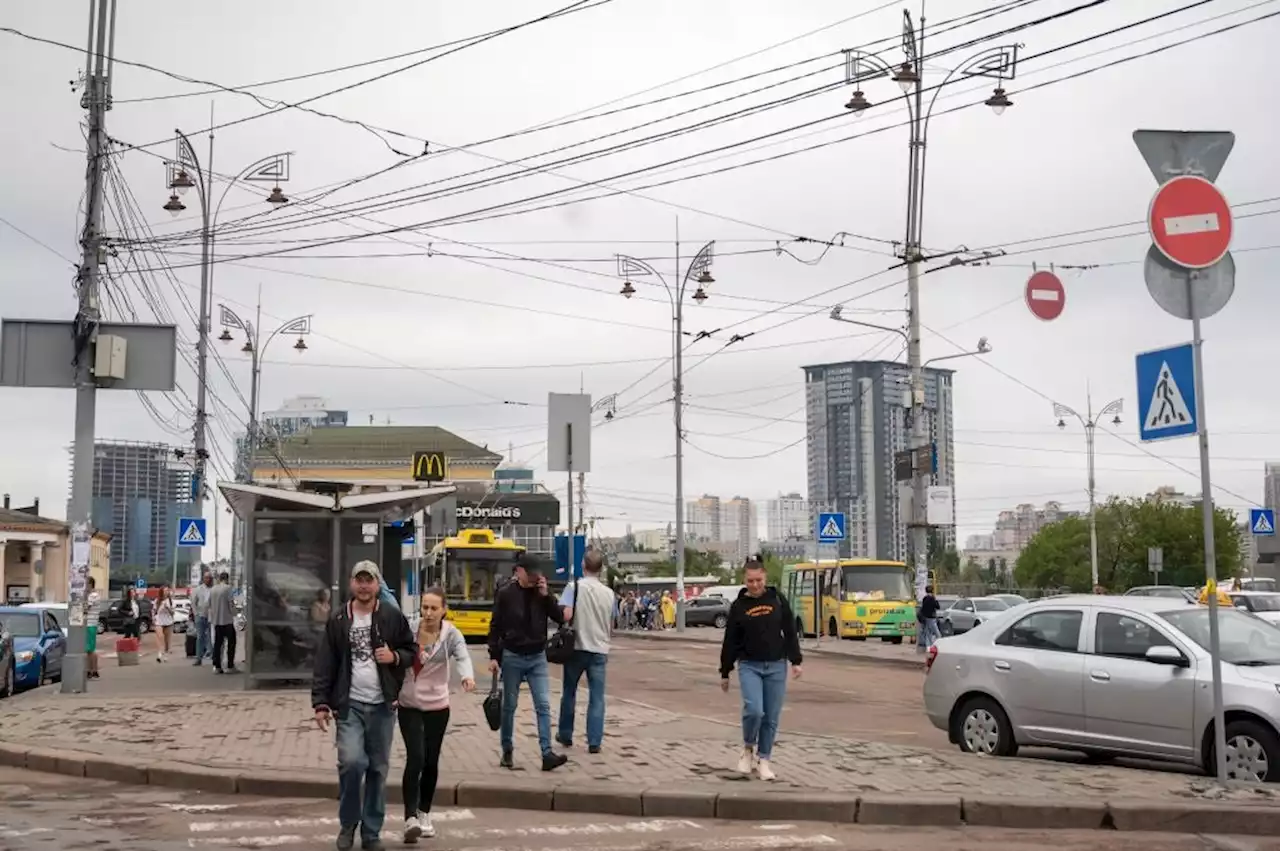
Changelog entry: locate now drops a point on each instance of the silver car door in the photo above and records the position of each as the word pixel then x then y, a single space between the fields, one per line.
pixel 1038 665
pixel 1134 705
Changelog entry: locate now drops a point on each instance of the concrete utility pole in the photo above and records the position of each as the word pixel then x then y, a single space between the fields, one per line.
pixel 96 100
pixel 1000 63
pixel 699 273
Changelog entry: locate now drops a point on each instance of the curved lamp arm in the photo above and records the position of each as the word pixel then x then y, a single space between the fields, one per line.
pixel 230 319
pixel 984 348
pixel 999 62
pixel 633 267
pixel 299 325
pixel 836 315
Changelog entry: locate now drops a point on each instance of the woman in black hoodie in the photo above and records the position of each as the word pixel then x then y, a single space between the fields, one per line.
pixel 760 637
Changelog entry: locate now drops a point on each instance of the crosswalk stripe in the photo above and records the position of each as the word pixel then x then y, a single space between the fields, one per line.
pixel 446 815
pixel 732 843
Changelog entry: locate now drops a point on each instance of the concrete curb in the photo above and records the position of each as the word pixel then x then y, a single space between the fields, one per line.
pixel 916 664
pixel 761 803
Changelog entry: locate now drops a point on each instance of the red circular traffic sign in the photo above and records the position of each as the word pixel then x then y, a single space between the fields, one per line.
pixel 1046 297
pixel 1190 222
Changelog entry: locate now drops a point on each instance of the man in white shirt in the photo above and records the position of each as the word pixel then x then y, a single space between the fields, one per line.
pixel 200 599
pixel 589 603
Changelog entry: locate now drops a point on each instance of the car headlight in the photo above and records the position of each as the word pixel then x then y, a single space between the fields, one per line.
pixel 25 656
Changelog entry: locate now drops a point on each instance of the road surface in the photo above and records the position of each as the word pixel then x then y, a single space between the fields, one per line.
pixel 52 813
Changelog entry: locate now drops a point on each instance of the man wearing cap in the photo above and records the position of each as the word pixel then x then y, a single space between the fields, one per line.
pixel 359 668
pixel 517 647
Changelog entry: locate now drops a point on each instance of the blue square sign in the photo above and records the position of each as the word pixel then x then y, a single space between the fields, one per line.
pixel 1262 521
pixel 831 528
pixel 191 532
pixel 1167 393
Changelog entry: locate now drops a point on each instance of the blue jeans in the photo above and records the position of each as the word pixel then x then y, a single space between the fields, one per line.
pixel 204 648
pixel 532 670
pixel 593 665
pixel 928 634
pixel 764 687
pixel 364 750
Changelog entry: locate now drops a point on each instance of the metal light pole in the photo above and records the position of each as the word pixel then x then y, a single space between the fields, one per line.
pixel 273 169
pixel 999 63
pixel 1090 423
pixel 699 273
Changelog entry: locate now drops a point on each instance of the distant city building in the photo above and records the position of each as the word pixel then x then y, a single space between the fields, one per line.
pixel 787 518
pixel 789 550
pixel 857 421
pixel 702 519
pixel 979 542
pixel 1170 494
pixel 738 529
pixel 653 540
pixel 139 492
pixel 301 414
pixel 1271 485
pixel 1014 529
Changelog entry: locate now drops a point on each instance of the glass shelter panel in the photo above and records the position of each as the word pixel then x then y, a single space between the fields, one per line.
pixel 292 577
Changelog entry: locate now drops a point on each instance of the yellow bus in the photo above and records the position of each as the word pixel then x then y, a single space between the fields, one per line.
pixel 861 599
pixel 470 566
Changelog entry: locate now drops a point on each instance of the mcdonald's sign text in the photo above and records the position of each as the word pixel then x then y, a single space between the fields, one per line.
pixel 429 467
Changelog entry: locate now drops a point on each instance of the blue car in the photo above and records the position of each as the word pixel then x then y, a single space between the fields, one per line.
pixel 38 646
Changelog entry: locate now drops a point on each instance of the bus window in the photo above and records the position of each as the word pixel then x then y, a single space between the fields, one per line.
pixel 886 582
pixel 806 582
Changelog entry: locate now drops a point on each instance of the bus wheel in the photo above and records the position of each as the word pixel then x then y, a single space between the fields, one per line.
pixel 893 639
pixel 857 638
pixel 833 628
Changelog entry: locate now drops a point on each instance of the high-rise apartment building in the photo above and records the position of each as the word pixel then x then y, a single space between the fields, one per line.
pixel 1271 485
pixel 787 518
pixel 738 528
pixel 1015 528
pixel 857 413
pixel 139 492
pixel 702 517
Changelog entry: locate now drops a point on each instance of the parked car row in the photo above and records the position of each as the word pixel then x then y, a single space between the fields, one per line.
pixel 32 646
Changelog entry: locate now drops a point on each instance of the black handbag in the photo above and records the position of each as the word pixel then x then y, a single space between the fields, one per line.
pixel 561 645
pixel 493 704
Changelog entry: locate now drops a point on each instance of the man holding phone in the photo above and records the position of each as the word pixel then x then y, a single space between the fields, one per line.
pixel 360 666
pixel 518 648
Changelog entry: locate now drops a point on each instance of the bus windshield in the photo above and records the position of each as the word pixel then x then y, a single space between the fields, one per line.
pixel 876 583
pixel 473 575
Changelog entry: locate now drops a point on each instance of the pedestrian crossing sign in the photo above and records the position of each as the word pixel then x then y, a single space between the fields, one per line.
pixel 1167 393
pixel 1262 521
pixel 831 527
pixel 191 532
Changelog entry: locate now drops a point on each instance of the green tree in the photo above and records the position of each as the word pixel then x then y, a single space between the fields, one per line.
pixel 1058 556
pixel 696 563
pixel 944 561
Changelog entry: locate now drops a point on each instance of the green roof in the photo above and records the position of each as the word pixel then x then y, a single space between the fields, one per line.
pixel 374 444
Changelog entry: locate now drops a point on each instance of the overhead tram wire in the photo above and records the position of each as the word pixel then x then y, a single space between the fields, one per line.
pixel 500 210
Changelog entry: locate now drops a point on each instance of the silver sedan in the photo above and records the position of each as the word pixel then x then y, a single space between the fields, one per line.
pixel 1111 676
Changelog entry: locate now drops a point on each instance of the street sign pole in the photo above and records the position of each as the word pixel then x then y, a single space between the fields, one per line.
pixel 817 572
pixel 1155 563
pixel 1191 225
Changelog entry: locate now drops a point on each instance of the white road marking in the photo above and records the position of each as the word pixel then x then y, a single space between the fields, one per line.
pixel 1187 225
pixel 102 821
pixel 15 833
pixel 1045 295
pixel 310 821
pixel 775 826
pixel 733 843
pixel 198 808
pixel 650 826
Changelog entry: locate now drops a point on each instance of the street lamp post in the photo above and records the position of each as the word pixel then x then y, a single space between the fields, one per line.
pixel 1090 423
pixel 999 63
pixel 178 172
pixel 699 273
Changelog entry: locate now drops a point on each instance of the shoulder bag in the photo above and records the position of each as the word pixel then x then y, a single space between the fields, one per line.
pixel 561 645
pixel 493 704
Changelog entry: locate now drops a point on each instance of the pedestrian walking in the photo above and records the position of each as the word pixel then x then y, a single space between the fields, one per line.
pixel 927 618
pixel 222 615
pixel 360 666
pixel 162 620
pixel 424 709
pixel 200 611
pixel 588 603
pixel 760 638
pixel 130 612
pixel 92 611
pixel 518 650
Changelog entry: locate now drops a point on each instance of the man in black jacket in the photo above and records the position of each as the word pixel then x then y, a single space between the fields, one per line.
pixel 360 665
pixel 517 647
pixel 760 638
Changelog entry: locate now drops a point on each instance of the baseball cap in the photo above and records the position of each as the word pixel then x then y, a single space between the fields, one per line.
pixel 368 567
pixel 530 562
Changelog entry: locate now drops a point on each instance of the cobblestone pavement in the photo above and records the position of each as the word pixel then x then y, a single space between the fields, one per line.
pixel 47 812
pixel 645 747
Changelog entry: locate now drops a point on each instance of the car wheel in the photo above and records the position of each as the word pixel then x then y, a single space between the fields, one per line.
pixel 982 727
pixel 833 629
pixel 1253 752
pixel 945 628
pixel 10 676
pixel 721 621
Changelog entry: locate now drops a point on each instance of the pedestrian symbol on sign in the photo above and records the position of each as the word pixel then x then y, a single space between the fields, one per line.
pixel 1168 409
pixel 191 532
pixel 832 529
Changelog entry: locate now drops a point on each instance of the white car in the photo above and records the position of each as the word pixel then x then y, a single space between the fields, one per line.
pixel 1264 604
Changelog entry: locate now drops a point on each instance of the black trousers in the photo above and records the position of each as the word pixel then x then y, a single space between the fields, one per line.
pixel 423 734
pixel 224 634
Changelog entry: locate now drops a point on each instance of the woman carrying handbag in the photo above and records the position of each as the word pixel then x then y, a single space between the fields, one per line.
pixel 424 710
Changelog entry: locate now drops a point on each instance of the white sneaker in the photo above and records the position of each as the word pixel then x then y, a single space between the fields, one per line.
pixel 412 829
pixel 747 761
pixel 428 829
pixel 766 771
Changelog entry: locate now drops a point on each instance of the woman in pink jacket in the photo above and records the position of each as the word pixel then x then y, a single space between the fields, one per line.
pixel 424 710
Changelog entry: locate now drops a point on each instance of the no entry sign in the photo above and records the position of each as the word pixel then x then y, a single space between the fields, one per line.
pixel 1046 297
pixel 1190 222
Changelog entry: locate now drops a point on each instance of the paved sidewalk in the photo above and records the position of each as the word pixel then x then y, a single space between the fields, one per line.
pixel 645 747
pixel 879 652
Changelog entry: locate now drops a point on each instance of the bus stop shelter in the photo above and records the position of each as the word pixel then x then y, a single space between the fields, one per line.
pixel 302 545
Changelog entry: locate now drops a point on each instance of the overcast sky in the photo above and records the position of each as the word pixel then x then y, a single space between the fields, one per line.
pixel 469 324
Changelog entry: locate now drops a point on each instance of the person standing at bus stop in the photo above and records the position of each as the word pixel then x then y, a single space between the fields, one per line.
pixel 760 638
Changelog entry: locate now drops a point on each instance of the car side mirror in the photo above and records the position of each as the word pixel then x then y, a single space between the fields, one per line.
pixel 1166 655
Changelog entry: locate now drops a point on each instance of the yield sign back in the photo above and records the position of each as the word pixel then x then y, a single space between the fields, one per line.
pixel 1190 222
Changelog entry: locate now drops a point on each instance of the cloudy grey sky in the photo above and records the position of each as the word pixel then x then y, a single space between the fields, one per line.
pixel 451 320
